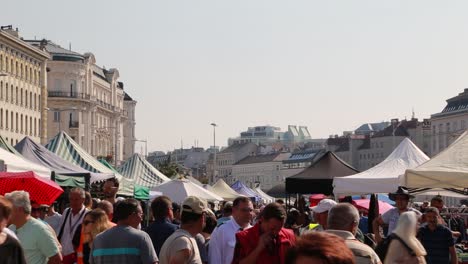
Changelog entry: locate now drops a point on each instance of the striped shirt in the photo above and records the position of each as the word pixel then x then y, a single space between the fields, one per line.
pixel 123 244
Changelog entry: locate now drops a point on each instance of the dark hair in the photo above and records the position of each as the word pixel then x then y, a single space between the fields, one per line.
pixel 329 248
pixel 437 198
pixel 125 208
pixel 175 206
pixel 115 181
pixel 431 209
pixel 274 210
pixel 280 201
pixel 160 206
pixel 227 209
pixel 6 207
pixel 240 199
pixel 210 223
pixel 189 217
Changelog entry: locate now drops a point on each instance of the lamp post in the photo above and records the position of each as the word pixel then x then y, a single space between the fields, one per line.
pixel 214 147
pixel 146 145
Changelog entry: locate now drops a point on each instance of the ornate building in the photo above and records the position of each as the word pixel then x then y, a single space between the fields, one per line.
pixel 87 102
pixel 23 91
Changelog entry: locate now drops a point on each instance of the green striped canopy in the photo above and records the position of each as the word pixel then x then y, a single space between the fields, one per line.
pixel 6 146
pixel 66 148
pixel 140 170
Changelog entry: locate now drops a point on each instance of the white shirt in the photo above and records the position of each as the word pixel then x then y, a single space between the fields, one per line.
pixel 223 242
pixel 391 218
pixel 8 231
pixel 70 225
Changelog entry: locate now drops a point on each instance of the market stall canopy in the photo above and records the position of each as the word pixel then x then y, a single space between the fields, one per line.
pixel 222 189
pixel 178 190
pixel 265 197
pixel 385 176
pixel 318 177
pixel 241 188
pixel 140 170
pixel 448 169
pixel 6 146
pixel 15 163
pixel 41 191
pixel 278 191
pixel 66 148
pixel 42 156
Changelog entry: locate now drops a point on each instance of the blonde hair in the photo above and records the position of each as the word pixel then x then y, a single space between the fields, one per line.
pixel 101 223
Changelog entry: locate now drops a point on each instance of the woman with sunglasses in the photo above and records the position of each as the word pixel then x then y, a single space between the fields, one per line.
pixel 94 223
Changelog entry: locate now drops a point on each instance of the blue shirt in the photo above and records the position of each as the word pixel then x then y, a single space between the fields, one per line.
pixel 159 231
pixel 436 243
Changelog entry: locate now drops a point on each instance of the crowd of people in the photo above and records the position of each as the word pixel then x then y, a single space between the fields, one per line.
pixel 110 231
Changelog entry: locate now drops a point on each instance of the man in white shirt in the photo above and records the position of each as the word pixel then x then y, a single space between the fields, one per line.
pixel 223 238
pixel 70 220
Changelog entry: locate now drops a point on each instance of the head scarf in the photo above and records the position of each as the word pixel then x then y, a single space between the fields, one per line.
pixel 406 230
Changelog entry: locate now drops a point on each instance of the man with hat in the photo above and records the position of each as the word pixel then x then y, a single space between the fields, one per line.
pixel 321 214
pixel 390 218
pixel 181 246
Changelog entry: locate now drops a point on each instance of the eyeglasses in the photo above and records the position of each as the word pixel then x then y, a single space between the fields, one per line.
pixel 86 222
pixel 245 210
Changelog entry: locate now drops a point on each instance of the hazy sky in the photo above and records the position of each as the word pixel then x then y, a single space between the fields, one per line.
pixel 330 65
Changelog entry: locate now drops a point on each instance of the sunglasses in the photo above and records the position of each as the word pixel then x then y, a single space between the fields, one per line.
pixel 86 222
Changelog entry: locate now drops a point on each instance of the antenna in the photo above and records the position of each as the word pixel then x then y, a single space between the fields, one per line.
pixel 412 114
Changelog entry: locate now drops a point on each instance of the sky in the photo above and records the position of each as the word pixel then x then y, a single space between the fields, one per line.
pixel 329 65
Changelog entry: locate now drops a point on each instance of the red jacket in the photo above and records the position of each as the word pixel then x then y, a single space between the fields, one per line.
pixel 247 241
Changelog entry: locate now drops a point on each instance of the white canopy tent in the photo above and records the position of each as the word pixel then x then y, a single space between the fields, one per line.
pixel 15 163
pixel 385 177
pixel 265 197
pixel 222 189
pixel 178 190
pixel 448 169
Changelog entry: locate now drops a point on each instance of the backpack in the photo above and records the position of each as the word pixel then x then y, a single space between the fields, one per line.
pixel 382 247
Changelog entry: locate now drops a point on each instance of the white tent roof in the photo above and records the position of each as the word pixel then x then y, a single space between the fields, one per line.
pixel 448 169
pixel 178 190
pixel 16 163
pixel 385 176
pixel 222 189
pixel 265 197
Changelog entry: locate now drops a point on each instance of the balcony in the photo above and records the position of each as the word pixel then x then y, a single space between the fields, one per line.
pixel 105 105
pixel 57 94
pixel 73 124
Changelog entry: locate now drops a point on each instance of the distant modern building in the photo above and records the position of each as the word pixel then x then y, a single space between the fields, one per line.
pixel 87 102
pixel 23 88
pixel 368 150
pixel 194 159
pixel 450 123
pixel 371 128
pixel 273 136
pixel 259 170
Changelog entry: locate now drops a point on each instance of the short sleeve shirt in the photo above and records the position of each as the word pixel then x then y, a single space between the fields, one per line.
pixel 123 244
pixel 391 218
pixel 178 241
pixel 436 243
pixel 37 241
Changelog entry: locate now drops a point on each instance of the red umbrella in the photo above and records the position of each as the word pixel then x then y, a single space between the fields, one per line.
pixel 364 204
pixel 41 190
pixel 314 199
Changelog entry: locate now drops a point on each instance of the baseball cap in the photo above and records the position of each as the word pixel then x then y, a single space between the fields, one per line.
pixel 194 205
pixel 323 206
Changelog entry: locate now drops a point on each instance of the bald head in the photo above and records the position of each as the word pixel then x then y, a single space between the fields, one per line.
pixel 107 207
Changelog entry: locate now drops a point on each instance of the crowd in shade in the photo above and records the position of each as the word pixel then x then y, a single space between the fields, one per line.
pixel 114 230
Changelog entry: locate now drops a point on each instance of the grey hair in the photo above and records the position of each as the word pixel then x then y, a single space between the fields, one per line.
pixel 80 191
pixel 20 199
pixel 432 209
pixel 342 216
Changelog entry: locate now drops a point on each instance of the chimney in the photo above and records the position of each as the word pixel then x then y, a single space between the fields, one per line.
pixel 9 29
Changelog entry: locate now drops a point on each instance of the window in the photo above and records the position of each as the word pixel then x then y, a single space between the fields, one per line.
pixel 56 116
pixel 462 125
pixel 1 118
pixel 6 119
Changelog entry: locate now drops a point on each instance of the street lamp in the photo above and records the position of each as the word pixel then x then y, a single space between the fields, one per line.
pixel 146 146
pixel 214 146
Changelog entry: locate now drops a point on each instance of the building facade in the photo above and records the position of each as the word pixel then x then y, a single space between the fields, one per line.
pixel 367 150
pixel 449 124
pixel 129 125
pixel 259 170
pixel 23 90
pixel 86 101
